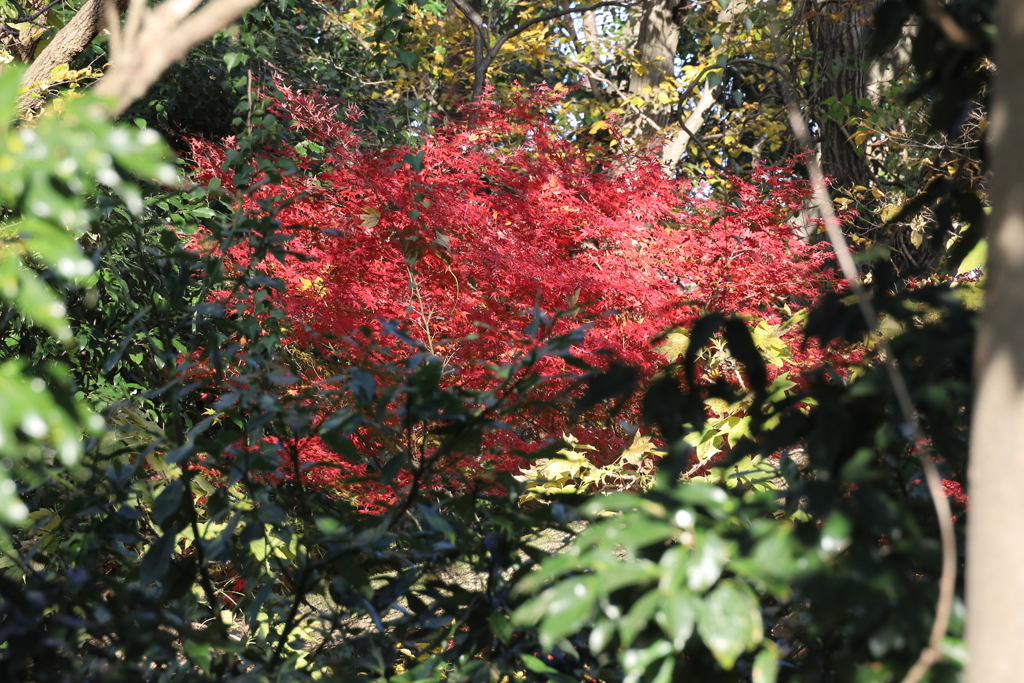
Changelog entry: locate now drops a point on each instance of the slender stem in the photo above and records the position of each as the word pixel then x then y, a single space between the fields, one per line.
pixel 293 613
pixel 947 580
pixel 31 17
pixel 483 57
pixel 947 24
pixel 193 520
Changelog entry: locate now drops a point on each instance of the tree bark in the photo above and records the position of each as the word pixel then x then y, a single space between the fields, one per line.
pixel 839 36
pixel 689 128
pixel 153 39
pixel 69 42
pixel 995 538
pixel 22 45
pixel 657 42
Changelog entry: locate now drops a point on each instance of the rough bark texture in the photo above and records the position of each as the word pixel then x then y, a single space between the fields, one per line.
pixel 839 34
pixel 995 538
pixel 22 44
pixel 66 45
pixel 657 41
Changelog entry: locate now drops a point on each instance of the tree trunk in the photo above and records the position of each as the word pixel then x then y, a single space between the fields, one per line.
pixel 657 42
pixel 69 42
pixel 995 539
pixel 839 36
pixel 22 45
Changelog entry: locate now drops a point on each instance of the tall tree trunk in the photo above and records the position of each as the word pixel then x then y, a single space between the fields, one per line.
pixel 839 36
pixel 995 538
pixel 657 41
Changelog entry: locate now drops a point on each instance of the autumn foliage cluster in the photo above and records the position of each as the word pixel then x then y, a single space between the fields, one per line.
pixel 496 220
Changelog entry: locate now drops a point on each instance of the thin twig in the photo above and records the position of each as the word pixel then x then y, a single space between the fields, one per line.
pixel 32 17
pixel 483 57
pixel 704 148
pixel 952 30
pixel 947 580
pixel 193 519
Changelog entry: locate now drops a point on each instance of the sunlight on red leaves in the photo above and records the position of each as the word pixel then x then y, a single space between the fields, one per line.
pixel 499 217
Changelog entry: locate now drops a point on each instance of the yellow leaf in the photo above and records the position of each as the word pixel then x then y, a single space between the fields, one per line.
pixel 976 258
pixel 639 446
pixel 675 345
pixel 600 125
pixel 370 217
pixel 889 212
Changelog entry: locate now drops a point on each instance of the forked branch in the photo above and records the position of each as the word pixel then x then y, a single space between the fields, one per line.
pixel 484 56
pixel 153 39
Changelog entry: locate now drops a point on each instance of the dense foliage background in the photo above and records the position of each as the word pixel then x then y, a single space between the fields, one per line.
pixel 329 361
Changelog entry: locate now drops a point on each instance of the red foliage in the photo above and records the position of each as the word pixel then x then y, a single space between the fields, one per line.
pixel 955 491
pixel 481 225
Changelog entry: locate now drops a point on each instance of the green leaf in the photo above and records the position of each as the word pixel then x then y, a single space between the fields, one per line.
pixel 639 615
pixel 538 667
pixel 570 606
pixel 56 246
pixel 729 621
pixel 42 305
pixel 976 258
pixel 710 555
pixel 601 635
pixel 766 664
pixel 199 653
pixel 168 502
pixel 10 87
pixel 677 617
pixel 157 560
pixel 636 662
pixel 501 627
pixel 836 534
pixel 233 59
pixel 414 160
pixel 635 531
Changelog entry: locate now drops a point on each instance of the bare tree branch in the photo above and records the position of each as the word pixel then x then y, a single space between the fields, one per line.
pixel 676 145
pixel 952 30
pixel 480 63
pixel 154 39
pixel 483 58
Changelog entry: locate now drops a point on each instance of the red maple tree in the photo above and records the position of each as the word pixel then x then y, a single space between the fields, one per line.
pixel 466 236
